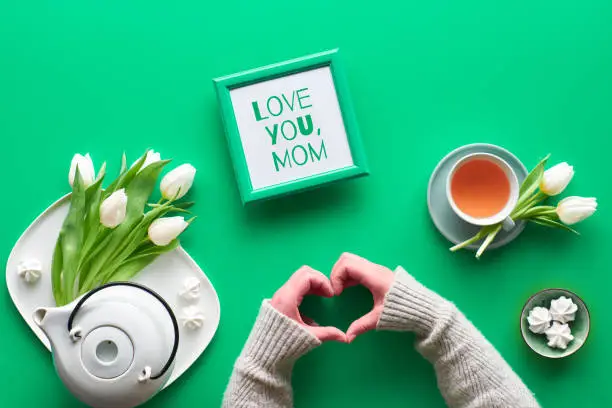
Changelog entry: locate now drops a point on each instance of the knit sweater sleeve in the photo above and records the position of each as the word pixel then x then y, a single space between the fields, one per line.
pixel 262 373
pixel 470 372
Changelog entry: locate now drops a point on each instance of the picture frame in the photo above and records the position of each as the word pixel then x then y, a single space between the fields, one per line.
pixel 270 115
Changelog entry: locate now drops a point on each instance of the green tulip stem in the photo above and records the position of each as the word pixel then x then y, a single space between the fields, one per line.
pixel 488 241
pixel 468 242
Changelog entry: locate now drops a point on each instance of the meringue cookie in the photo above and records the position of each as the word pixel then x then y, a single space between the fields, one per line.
pixel 192 318
pixel 30 270
pixel 559 335
pixel 191 289
pixel 563 309
pixel 539 320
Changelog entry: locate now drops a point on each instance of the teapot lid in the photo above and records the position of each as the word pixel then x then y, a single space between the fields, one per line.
pixel 116 336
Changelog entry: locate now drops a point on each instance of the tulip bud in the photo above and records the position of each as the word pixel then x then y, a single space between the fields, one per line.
pixel 152 157
pixel 162 231
pixel 177 182
pixel 556 179
pixel 86 169
pixel 575 209
pixel 113 209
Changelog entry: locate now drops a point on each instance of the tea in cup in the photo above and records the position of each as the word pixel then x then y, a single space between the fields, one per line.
pixel 483 189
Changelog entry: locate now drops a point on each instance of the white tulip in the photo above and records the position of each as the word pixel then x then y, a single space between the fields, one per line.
pixel 575 209
pixel 162 231
pixel 556 179
pixel 86 169
pixel 178 182
pixel 113 209
pixel 152 157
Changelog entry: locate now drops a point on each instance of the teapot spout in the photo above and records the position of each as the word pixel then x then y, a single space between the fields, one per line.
pixel 51 320
pixel 39 316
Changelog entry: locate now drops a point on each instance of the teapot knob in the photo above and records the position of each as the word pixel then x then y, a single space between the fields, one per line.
pixel 145 375
pixel 124 339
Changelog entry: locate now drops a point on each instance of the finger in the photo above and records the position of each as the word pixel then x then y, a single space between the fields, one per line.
pixel 307 320
pixel 320 286
pixel 311 282
pixel 339 275
pixel 363 324
pixel 328 333
pixel 348 271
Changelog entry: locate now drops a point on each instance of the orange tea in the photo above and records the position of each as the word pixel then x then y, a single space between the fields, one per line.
pixel 480 188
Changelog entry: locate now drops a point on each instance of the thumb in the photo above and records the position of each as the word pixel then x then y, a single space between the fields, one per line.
pixel 328 333
pixel 363 324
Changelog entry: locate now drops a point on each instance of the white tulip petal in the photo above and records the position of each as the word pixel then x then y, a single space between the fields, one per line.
pixel 152 157
pixel 575 209
pixel 113 209
pixel 177 182
pixel 556 179
pixel 86 169
pixel 164 230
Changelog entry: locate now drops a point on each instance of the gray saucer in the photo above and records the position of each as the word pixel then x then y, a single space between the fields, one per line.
pixel 448 223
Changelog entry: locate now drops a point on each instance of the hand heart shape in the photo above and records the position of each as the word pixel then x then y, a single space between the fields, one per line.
pixel 349 270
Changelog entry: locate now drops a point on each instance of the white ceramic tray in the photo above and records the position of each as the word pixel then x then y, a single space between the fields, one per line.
pixel 166 275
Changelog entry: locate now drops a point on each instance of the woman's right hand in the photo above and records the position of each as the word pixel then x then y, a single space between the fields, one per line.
pixel 351 270
pixel 287 300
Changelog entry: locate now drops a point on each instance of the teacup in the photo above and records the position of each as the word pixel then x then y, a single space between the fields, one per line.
pixel 483 189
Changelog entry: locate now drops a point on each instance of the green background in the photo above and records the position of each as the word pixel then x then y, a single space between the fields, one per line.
pixel 426 77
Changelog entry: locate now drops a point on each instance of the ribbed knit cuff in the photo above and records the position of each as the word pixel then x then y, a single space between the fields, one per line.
pixel 410 306
pixel 275 338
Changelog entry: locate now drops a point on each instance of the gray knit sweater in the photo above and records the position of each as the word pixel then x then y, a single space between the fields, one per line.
pixel 470 372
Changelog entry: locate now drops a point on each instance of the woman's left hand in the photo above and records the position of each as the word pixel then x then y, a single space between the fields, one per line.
pixel 287 300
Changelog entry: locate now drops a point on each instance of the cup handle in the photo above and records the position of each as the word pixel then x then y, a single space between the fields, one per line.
pixel 508 224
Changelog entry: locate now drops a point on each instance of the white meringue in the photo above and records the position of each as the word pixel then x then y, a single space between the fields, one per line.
pixel 192 318
pixel 30 270
pixel 191 289
pixel 563 309
pixel 559 335
pixel 539 319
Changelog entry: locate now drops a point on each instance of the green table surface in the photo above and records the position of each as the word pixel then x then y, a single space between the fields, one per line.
pixel 426 77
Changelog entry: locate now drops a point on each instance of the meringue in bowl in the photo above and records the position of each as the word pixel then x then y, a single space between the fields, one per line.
pixel 566 309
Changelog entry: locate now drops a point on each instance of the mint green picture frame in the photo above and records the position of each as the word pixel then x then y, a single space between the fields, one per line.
pixel 224 85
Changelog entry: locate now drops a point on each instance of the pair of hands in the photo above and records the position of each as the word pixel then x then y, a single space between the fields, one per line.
pixel 349 270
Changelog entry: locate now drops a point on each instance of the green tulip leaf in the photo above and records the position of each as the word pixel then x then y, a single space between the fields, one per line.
pixel 184 205
pixel 141 186
pixel 541 210
pixel 124 163
pixel 128 269
pixel 102 171
pixel 100 243
pixel 56 272
pixel 126 177
pixel 134 239
pixel 532 182
pixel 547 222
pixel 72 239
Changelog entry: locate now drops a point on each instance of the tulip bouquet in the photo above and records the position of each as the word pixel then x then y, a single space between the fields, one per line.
pixel 537 188
pixel 111 234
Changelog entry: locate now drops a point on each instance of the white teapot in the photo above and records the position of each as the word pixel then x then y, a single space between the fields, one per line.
pixel 115 346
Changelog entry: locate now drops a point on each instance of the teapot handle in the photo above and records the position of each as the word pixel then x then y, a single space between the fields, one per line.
pixel 149 291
